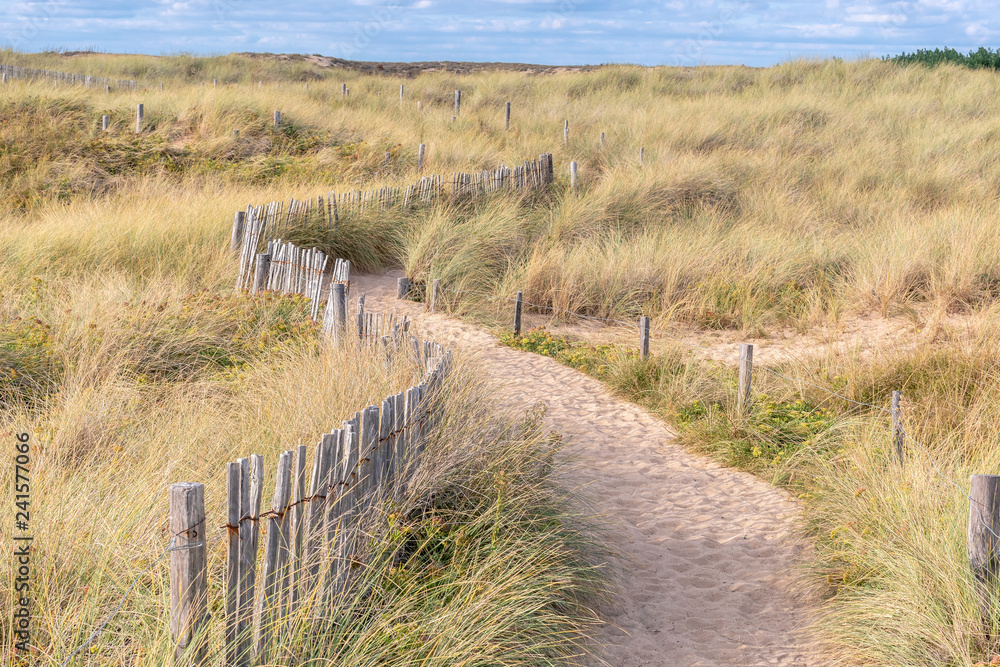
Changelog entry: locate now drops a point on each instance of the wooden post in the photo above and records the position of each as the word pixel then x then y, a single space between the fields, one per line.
pixel 340 310
pixel 746 375
pixel 402 288
pixel 435 286
pixel 602 141
pixel 458 101
pixel 572 176
pixel 138 118
pixel 517 314
pixel 260 272
pixel 269 602
pixel 318 491
pixel 400 92
pixel 277 119
pixel 420 157
pixel 897 427
pixel 215 83
pixel 236 241
pixel 983 543
pixel 298 515
pixel 188 573
pixel 506 116
pixel 566 132
pixel 233 480
pixel 105 122
pixel 644 337
pixel 251 471
pixel 642 150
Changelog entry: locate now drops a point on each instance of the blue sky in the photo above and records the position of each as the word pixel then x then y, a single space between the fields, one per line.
pixel 570 32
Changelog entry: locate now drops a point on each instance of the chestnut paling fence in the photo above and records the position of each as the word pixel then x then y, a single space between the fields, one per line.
pixel 27 73
pixel 302 549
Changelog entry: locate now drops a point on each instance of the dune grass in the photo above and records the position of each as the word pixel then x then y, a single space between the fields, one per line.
pixel 791 196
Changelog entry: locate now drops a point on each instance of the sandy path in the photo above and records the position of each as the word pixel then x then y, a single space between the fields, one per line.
pixel 706 550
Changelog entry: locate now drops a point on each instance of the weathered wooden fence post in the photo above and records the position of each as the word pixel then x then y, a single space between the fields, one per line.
pixel 138 118
pixel 215 83
pixel 517 314
pixel 572 176
pixel 343 90
pixel 105 122
pixel 260 273
pixel 602 141
pixel 400 92
pixel 644 337
pixel 642 150
pixel 746 375
pixel 277 119
pixel 506 116
pixel 275 558
pixel 402 288
pixel 296 564
pixel 188 573
pixel 340 310
pixel 983 543
pixel 236 241
pixel 420 157
pixel 233 483
pixel 566 132
pixel 897 427
pixel 458 101
pixel 435 286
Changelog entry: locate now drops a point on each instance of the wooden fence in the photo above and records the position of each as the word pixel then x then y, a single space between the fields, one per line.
pixel 27 73
pixel 275 218
pixel 312 538
pixel 289 269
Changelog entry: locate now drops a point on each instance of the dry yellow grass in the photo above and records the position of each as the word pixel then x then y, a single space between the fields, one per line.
pixel 799 194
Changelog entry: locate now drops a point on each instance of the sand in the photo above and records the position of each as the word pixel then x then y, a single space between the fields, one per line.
pixel 706 552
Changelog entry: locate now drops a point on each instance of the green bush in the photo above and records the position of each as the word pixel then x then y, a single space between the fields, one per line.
pixel 981 58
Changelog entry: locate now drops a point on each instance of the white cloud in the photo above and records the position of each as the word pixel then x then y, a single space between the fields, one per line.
pixel 978 30
pixel 826 30
pixel 876 18
pixel 422 4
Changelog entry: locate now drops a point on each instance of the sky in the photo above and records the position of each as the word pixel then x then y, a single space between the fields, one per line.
pixel 551 32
